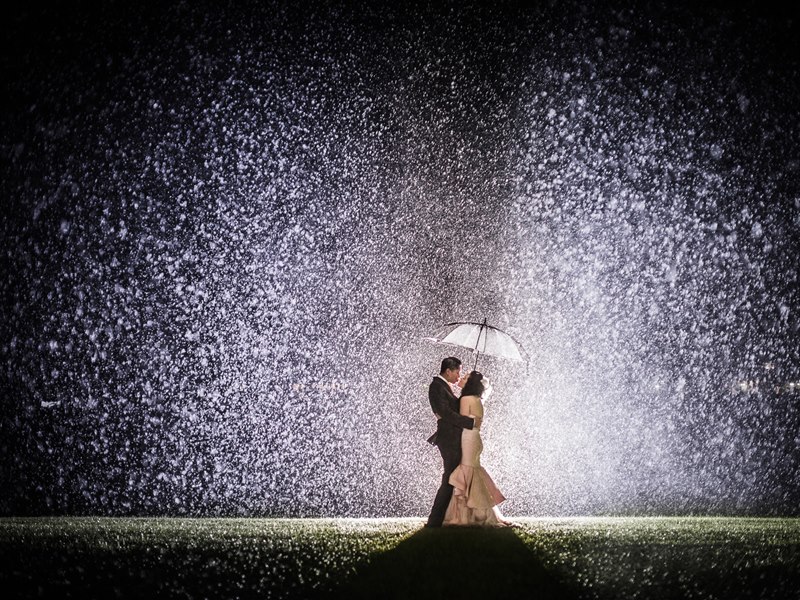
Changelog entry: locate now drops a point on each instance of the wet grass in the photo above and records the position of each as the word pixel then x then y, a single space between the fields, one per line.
pixel 396 558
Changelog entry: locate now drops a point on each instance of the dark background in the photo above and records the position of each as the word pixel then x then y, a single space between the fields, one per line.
pixel 226 229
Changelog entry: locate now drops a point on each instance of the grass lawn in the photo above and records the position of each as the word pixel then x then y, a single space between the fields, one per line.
pixel 694 557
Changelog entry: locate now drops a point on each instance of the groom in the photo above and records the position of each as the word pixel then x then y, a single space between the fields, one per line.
pixel 448 431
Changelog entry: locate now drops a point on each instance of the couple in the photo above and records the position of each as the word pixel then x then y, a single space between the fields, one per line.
pixel 467 496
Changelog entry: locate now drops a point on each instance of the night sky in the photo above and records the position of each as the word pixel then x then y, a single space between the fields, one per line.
pixel 227 229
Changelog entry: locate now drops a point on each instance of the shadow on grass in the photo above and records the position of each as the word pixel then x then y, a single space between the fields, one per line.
pixel 461 562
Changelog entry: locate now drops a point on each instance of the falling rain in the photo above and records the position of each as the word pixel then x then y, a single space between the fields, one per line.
pixel 226 234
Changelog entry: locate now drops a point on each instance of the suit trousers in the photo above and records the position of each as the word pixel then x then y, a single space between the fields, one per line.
pixel 451 457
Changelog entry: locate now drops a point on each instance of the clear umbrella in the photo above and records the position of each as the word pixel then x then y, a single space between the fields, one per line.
pixel 481 338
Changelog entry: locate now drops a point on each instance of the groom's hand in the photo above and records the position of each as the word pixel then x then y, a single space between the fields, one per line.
pixel 477 423
pixel 463 379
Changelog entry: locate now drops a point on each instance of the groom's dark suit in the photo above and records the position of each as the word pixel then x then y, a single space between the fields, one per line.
pixel 448 439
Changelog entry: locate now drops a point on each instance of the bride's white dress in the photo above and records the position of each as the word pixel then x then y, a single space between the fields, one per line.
pixel 474 493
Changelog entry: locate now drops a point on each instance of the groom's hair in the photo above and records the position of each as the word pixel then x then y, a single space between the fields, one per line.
pixel 451 362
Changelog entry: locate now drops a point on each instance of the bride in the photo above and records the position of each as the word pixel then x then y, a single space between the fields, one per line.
pixel 475 496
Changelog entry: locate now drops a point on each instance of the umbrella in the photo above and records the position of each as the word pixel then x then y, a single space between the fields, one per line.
pixel 481 338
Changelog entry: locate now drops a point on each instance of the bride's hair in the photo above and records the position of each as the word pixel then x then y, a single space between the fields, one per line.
pixel 474 385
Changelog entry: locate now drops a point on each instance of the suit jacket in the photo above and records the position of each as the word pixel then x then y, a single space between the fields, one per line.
pixel 446 405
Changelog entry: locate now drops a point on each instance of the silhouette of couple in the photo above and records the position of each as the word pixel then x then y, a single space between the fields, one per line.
pixel 467 495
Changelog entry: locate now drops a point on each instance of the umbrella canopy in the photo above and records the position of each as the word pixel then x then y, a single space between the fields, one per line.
pixel 481 338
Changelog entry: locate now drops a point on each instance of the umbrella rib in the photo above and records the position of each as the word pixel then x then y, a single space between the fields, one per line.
pixel 521 347
pixel 472 323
